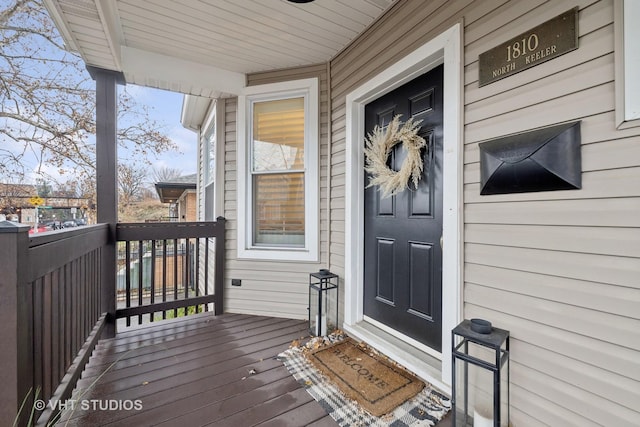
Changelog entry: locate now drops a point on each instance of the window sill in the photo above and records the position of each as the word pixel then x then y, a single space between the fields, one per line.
pixel 628 124
pixel 278 254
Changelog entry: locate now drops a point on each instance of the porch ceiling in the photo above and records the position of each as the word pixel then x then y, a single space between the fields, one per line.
pixel 207 47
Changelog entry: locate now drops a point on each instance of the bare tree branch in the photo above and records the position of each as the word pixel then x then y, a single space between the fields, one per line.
pixel 47 101
pixel 164 174
pixel 131 181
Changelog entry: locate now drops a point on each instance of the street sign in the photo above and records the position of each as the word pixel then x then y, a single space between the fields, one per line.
pixel 36 200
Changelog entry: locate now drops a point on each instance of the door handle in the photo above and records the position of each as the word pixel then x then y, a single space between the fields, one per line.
pixel 441 242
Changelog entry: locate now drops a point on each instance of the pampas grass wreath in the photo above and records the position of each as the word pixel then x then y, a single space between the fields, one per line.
pixel 378 146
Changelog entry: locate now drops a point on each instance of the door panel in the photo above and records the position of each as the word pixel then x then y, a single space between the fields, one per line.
pixel 402 253
pixel 385 273
pixel 421 202
pixel 421 263
pixel 386 206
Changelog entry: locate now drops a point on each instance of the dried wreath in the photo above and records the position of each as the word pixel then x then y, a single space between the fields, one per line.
pixel 378 147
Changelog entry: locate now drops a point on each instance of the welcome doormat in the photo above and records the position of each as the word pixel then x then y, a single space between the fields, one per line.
pixel 365 377
pixel 424 409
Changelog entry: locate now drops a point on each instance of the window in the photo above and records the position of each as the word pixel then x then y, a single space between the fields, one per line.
pixel 211 159
pixel 277 147
pixel 278 172
pixel 627 14
pixel 209 145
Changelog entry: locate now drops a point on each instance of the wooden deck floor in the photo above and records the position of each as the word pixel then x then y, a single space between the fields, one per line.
pixel 195 372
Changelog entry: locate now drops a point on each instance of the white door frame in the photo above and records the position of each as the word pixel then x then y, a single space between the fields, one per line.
pixel 444 49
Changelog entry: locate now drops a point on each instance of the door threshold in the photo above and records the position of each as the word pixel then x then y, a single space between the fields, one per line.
pixel 420 363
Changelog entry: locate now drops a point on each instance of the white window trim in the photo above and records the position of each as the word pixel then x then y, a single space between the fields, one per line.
pixel 208 205
pixel 627 63
pixel 215 116
pixel 296 88
pixel 220 113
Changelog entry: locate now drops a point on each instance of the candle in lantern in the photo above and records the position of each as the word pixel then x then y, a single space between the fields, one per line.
pixel 481 419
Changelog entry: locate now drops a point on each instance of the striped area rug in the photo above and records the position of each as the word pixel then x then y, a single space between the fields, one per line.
pixel 425 409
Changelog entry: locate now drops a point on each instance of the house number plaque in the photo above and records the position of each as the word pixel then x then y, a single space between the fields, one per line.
pixel 542 43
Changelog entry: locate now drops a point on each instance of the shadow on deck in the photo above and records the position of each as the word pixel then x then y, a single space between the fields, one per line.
pixel 195 371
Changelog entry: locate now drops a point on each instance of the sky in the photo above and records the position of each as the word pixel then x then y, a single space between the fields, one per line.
pixel 165 107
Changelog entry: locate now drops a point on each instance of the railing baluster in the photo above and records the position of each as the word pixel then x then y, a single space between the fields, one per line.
pixel 75 281
pixel 140 278
pixel 127 255
pixel 153 276
pixel 206 270
pixel 88 312
pixel 164 276
pixel 185 272
pixel 196 269
pixel 85 297
pixel 38 326
pixel 67 315
pixel 175 275
pixel 81 297
pixel 47 384
pixel 55 327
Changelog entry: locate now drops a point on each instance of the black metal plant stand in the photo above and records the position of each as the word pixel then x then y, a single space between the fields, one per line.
pixel 481 333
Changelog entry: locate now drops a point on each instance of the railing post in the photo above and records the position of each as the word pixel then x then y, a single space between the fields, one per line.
pixel 16 330
pixel 218 288
pixel 107 183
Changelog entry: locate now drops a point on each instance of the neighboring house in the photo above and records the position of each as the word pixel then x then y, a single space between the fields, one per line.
pixel 180 194
pixel 283 104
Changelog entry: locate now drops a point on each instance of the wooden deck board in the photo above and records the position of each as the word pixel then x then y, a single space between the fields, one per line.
pixel 193 355
pixel 198 371
pixel 202 370
pixel 305 415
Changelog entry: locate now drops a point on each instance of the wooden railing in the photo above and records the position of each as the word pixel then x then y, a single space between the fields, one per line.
pixel 51 315
pixel 169 269
pixel 57 299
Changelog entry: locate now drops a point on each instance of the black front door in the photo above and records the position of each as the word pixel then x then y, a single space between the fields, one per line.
pixel 402 233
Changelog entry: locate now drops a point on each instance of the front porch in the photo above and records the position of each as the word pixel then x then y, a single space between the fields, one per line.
pixel 200 370
pixel 558 268
pixel 64 363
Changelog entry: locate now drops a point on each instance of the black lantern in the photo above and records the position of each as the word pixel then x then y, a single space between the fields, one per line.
pixel 480 394
pixel 323 302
